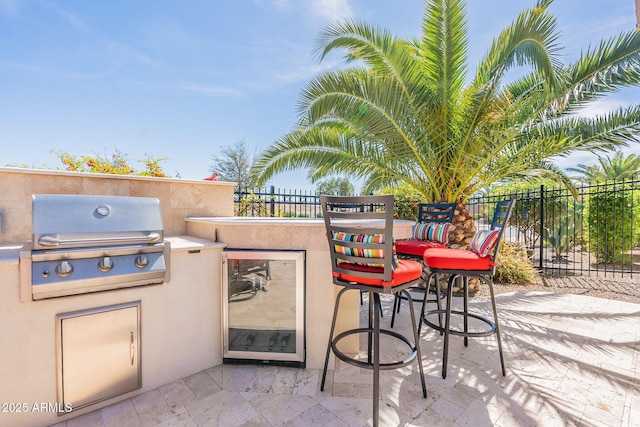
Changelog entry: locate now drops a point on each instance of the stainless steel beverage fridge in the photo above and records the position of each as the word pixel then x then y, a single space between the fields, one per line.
pixel 264 306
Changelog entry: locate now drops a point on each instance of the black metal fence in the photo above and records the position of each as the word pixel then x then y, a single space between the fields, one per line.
pixel 593 232
pixel 282 203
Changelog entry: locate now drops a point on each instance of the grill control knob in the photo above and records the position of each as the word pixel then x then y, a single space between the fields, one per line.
pixel 142 261
pixel 64 269
pixel 105 264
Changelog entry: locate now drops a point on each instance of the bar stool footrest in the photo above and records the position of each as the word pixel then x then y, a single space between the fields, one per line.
pixel 443 295
pixel 490 331
pixel 369 365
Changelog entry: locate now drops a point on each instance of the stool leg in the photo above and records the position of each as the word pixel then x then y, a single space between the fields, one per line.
pixel 416 337
pixel 370 317
pixel 396 305
pixel 333 326
pixel 438 303
pixel 495 319
pixel 465 284
pixel 376 359
pixel 424 302
pixel 447 325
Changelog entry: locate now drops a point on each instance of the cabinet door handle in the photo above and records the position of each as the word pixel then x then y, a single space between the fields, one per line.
pixel 132 350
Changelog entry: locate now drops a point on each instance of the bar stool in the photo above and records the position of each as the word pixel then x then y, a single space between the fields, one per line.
pixel 360 235
pixel 431 231
pixel 479 261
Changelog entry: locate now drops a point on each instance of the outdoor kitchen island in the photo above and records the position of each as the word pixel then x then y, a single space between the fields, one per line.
pixel 179 330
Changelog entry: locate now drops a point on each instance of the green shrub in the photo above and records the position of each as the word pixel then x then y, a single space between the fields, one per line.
pixel 252 205
pixel 564 232
pixel 406 201
pixel 514 265
pixel 613 219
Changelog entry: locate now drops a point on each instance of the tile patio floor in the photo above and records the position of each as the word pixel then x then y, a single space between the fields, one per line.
pixel 571 361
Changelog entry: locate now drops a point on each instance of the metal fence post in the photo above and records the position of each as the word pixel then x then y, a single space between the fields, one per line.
pixel 541 265
pixel 272 201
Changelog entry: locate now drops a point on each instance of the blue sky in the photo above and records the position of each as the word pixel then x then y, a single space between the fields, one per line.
pixel 179 79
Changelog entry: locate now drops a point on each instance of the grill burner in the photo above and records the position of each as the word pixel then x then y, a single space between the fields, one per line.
pixel 94 243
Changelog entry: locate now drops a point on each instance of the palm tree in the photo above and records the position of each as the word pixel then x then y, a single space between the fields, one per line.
pixel 616 168
pixel 405 111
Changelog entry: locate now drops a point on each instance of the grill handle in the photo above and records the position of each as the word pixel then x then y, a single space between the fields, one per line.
pixel 54 241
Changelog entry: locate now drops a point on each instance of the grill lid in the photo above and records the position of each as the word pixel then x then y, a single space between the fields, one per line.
pixel 78 221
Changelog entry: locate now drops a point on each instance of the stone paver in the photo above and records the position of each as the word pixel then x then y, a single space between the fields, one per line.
pixel 571 360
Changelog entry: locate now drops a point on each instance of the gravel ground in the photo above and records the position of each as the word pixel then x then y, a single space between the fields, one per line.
pixel 615 289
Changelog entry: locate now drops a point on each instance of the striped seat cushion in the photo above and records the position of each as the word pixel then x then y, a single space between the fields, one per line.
pixel 363 252
pixel 431 231
pixel 483 242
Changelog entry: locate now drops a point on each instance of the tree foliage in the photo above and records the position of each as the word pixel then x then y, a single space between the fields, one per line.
pixel 335 186
pixel 235 163
pixel 410 110
pixel 616 168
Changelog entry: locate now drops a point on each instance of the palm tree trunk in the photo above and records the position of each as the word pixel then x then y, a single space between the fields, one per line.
pixel 462 227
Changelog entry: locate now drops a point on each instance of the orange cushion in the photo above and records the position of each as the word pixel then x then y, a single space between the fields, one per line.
pixel 416 247
pixel 406 271
pixel 456 259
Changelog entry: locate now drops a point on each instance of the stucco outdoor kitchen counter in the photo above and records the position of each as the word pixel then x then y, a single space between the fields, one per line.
pixel 308 234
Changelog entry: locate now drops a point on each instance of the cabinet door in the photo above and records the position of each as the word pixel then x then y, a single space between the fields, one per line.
pixel 100 353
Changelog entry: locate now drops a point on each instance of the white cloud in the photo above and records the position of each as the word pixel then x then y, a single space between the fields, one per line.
pixel 331 9
pixel 601 107
pixel 68 16
pixel 56 71
pixel 206 90
pixel 322 9
pixel 305 72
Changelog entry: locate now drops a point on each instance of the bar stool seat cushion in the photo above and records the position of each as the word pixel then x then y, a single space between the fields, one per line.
pixel 406 271
pixel 457 259
pixel 416 247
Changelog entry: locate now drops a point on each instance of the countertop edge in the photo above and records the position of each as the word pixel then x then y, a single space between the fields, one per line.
pixel 185 243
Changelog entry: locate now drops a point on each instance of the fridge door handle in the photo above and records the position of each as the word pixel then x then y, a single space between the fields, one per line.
pixel 132 350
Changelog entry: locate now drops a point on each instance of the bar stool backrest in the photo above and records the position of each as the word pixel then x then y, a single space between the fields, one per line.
pixel 360 216
pixel 436 212
pixel 501 217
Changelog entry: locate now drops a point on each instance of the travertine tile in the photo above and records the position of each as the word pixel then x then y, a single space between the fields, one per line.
pixel 480 414
pixel 151 408
pixel 177 395
pixel 285 381
pixel 241 378
pixel 221 373
pixel 279 408
pixel 557 375
pixel 447 409
pixel 182 420
pixel 406 397
pixel 222 409
pixel 352 411
pixel 262 379
pixel 122 414
pixel 91 419
pixel 202 385
pixel 316 416
pixel 308 382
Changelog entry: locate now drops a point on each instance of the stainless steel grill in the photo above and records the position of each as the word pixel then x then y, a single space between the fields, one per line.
pixel 87 244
